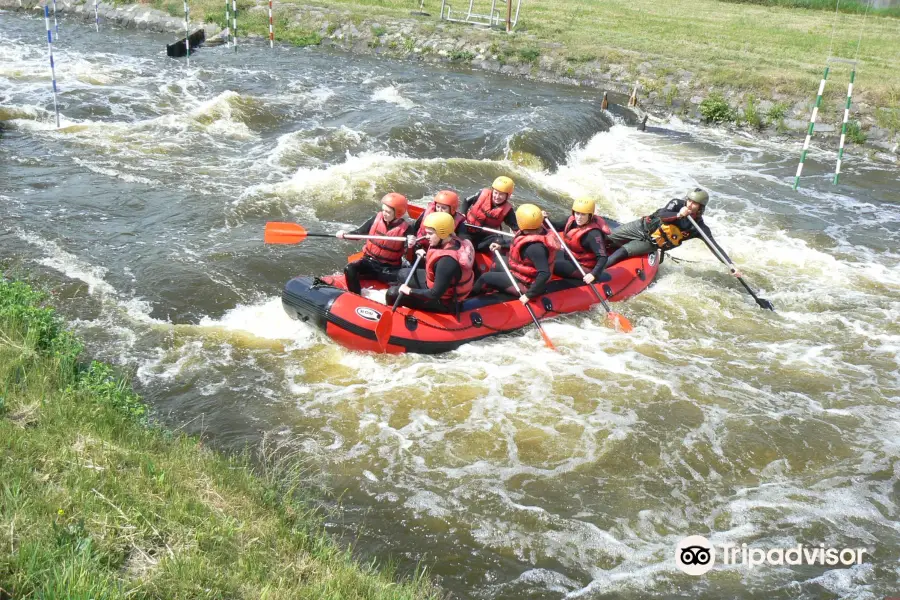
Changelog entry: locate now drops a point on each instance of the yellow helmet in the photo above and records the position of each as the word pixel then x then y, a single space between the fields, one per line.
pixel 583 205
pixel 529 216
pixel 503 184
pixel 442 223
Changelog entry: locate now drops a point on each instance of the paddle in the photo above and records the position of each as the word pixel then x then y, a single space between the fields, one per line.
pixel 386 321
pixel 515 285
pixel 294 233
pixel 615 319
pixel 489 230
pixel 762 302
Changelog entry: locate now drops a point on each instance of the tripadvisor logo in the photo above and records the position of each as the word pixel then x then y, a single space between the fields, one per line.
pixel 695 555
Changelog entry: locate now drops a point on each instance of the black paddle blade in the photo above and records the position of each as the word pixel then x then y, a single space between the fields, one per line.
pixel 763 303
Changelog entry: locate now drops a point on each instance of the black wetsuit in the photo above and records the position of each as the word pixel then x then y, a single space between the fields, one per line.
pixel 367 267
pixel 594 240
pixel 447 272
pixel 498 279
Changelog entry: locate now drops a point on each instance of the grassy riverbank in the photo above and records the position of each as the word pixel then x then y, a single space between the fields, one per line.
pixel 762 48
pixel 97 503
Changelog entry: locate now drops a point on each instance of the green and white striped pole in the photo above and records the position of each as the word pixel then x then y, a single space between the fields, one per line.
pixel 809 132
pixel 837 169
pixel 227 23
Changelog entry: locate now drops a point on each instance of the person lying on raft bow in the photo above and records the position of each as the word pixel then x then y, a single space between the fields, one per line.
pixel 448 275
pixel 665 229
pixel 381 258
pixel 532 254
pixel 585 235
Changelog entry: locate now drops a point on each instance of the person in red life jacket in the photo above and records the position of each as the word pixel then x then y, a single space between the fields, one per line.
pixel 665 229
pixel 585 235
pixel 532 254
pixel 381 259
pixel 489 208
pixel 444 201
pixel 448 275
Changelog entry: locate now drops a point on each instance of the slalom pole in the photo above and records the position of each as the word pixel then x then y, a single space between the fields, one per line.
pixel 271 27
pixel 234 24
pixel 227 21
pixel 187 33
pixel 55 21
pixel 837 168
pixel 52 68
pixel 812 125
pixel 96 16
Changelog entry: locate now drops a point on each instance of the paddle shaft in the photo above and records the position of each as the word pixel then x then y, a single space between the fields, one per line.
pixel 409 277
pixel 724 259
pixel 516 287
pixel 489 230
pixel 577 264
pixel 353 236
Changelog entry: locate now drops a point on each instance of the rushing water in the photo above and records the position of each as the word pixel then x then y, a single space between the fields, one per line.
pixel 511 471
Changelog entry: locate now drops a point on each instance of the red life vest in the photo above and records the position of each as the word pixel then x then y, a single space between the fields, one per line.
pixel 484 214
pixel 432 206
pixel 463 253
pixel 520 265
pixel 573 234
pixel 382 250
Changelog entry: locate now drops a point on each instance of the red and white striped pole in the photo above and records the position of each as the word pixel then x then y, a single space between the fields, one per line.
pixel 271 27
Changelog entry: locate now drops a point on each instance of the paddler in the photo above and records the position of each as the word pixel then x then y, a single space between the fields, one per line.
pixel 489 208
pixel 585 235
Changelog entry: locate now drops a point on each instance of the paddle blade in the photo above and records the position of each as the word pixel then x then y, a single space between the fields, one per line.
pixel 355 257
pixel 383 329
pixel 763 303
pixel 619 322
pixel 546 338
pixel 284 233
pixel 414 211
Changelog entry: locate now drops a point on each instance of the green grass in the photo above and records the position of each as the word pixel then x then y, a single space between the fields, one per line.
pixel 97 503
pixel 762 49
pixel 845 6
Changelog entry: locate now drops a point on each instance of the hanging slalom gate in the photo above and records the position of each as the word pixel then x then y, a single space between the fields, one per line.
pixel 818 105
pixel 494 16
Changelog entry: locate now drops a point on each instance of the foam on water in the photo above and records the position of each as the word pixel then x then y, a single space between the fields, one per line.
pixel 581 468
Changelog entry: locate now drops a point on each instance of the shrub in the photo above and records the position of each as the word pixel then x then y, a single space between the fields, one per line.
pixel 855 133
pixel 461 55
pixel 379 31
pixel 529 54
pixel 715 109
pixel 751 114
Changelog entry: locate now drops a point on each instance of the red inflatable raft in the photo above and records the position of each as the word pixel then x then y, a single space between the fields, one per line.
pixel 350 319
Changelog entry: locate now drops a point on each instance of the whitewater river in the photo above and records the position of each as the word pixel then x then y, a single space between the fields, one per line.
pixel 510 471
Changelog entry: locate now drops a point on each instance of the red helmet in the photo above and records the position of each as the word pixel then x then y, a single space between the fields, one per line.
pixel 448 198
pixel 396 201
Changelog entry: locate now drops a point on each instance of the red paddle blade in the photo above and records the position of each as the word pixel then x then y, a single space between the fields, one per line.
pixel 414 211
pixel 383 329
pixel 619 322
pixel 546 339
pixel 284 233
pixel 355 257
